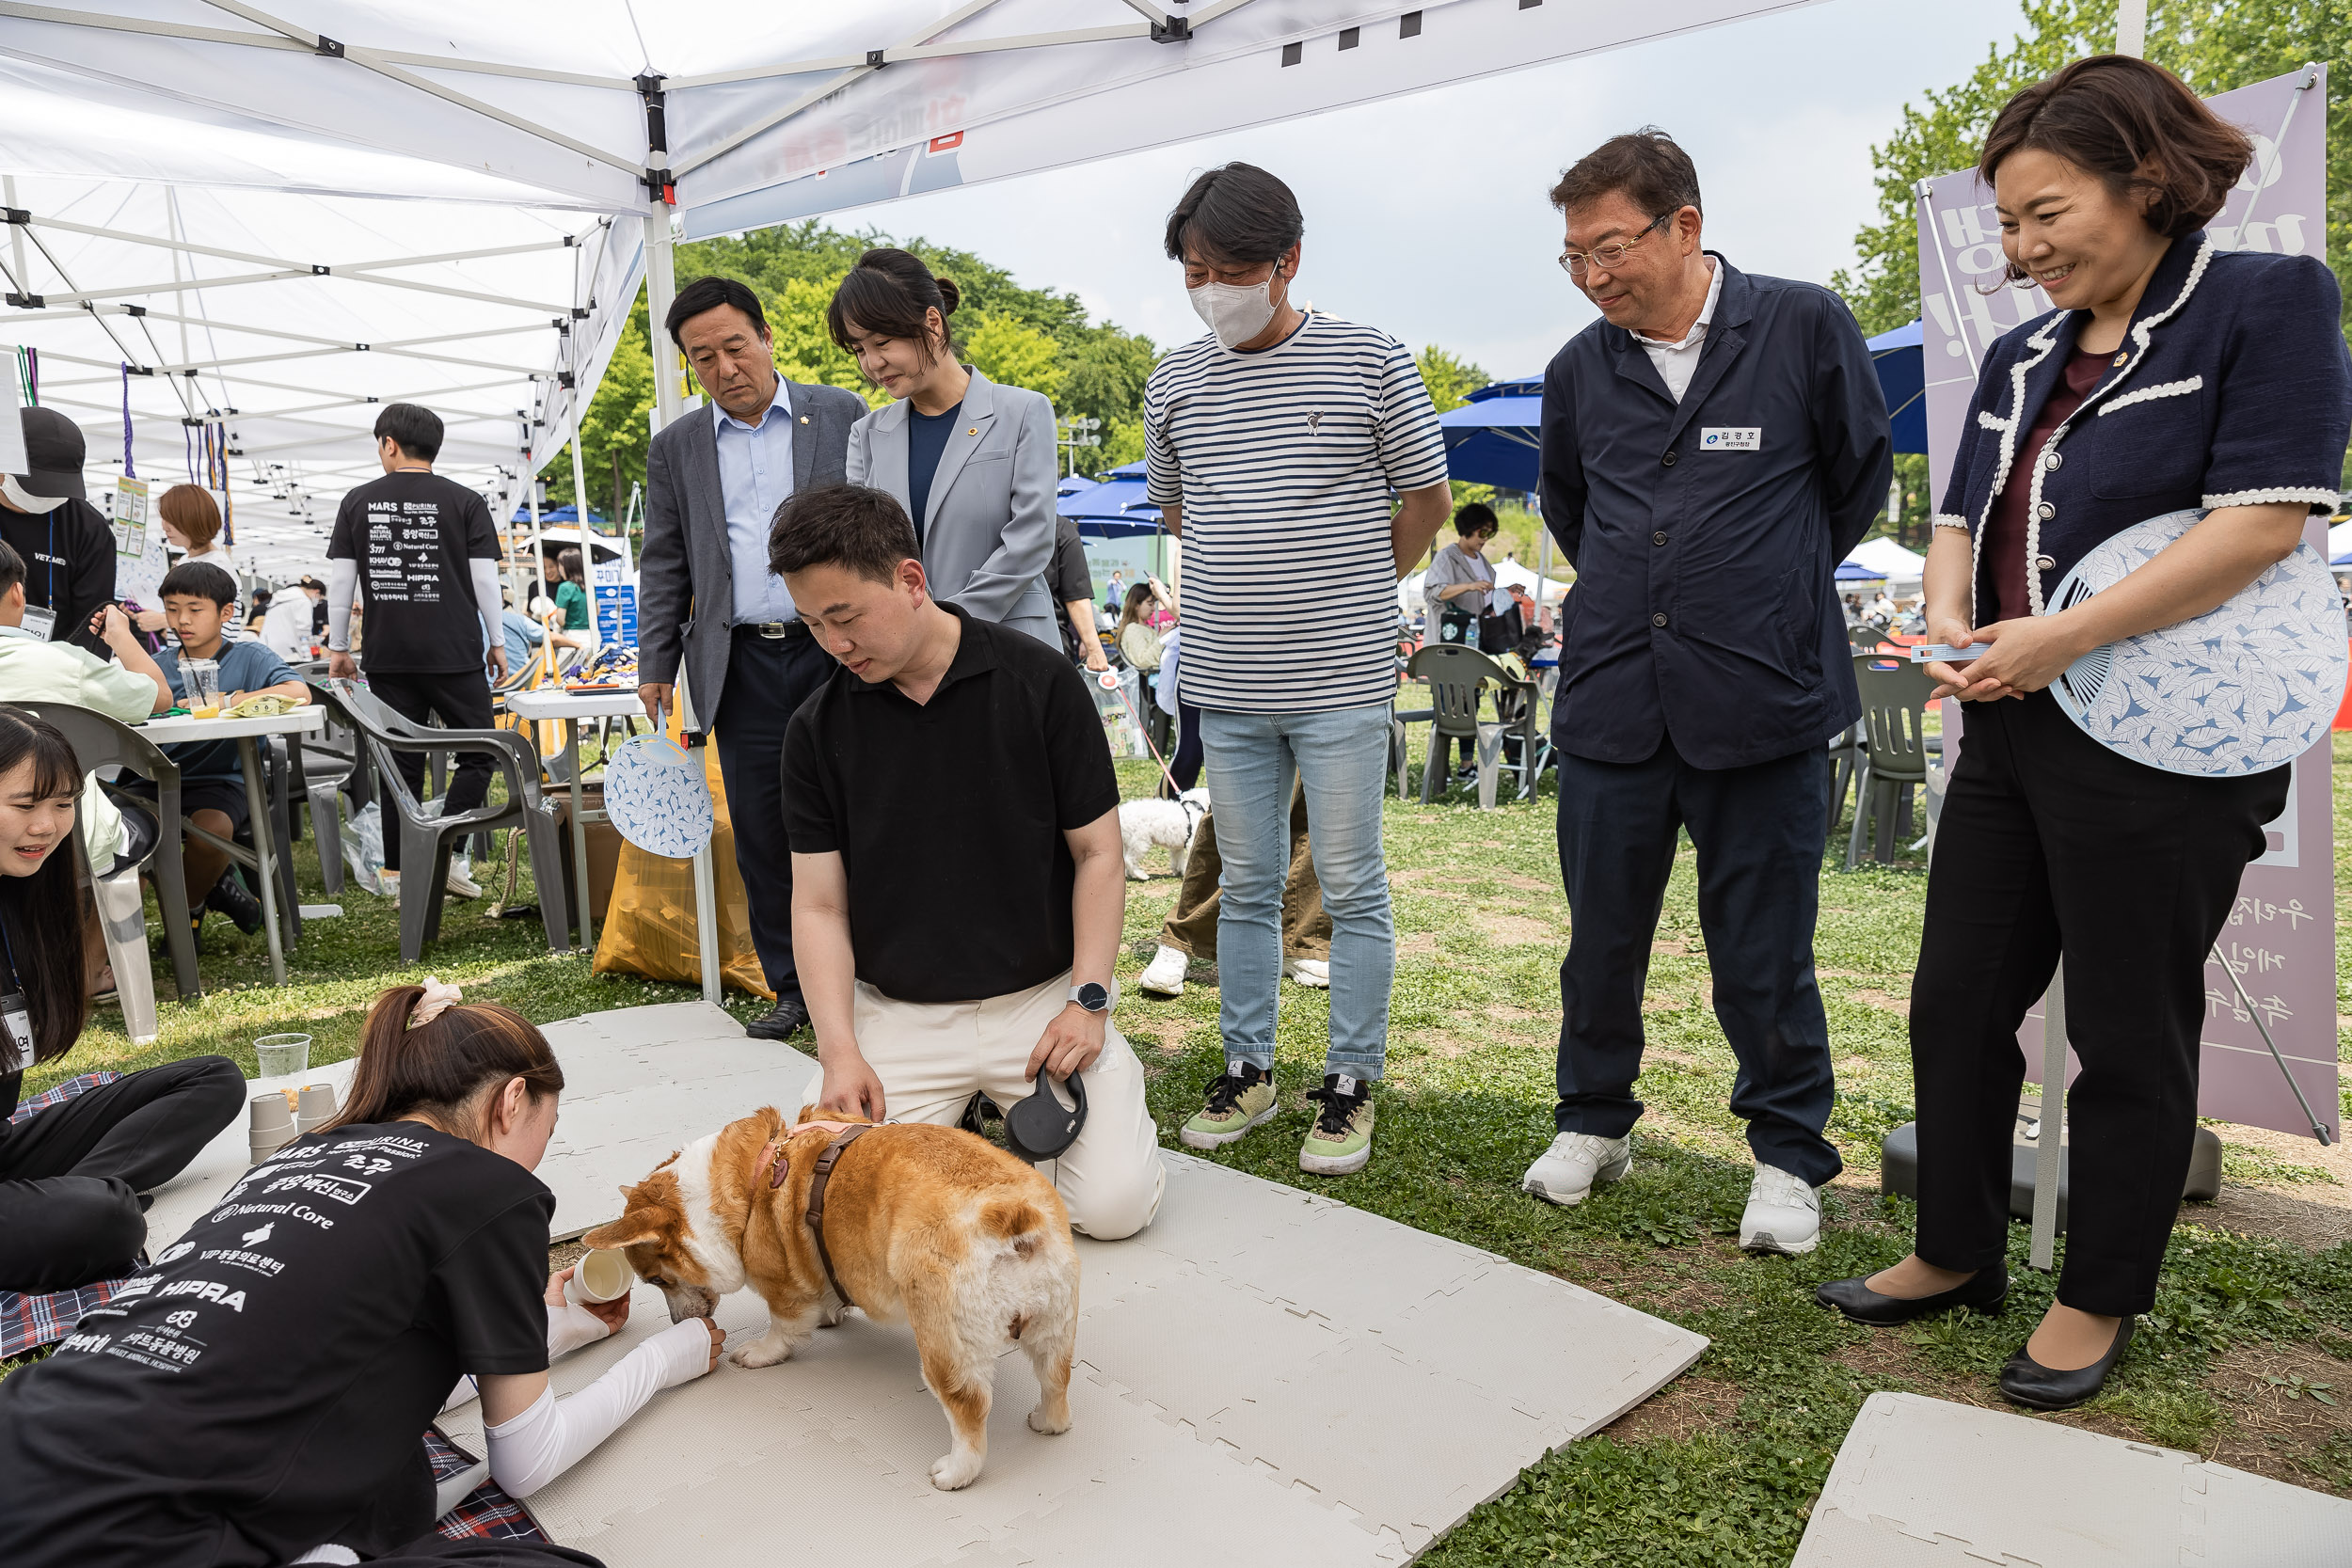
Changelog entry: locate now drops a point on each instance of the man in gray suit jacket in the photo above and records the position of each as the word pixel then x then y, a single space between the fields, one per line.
pixel 705 598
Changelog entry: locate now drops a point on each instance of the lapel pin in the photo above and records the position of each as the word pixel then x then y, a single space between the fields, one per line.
pixel 805 418
pixel 972 430
pixel 2124 355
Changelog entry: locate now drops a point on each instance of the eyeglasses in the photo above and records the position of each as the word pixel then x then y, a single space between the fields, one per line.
pixel 1573 263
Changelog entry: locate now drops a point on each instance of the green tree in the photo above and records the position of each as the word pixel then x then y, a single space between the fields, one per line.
pixel 1451 379
pixel 614 429
pixel 1014 354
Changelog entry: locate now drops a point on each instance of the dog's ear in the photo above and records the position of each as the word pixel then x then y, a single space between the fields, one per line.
pixel 628 1231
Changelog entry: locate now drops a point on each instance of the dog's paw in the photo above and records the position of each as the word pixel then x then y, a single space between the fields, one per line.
pixel 759 1353
pixel 1041 1421
pixel 953 1472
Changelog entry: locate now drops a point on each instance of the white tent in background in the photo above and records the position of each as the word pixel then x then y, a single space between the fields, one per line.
pixel 1510 574
pixel 1890 559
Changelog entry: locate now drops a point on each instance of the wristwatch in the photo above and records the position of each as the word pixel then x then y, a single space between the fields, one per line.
pixel 1092 997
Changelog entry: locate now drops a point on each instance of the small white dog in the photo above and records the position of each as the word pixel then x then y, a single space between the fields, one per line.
pixel 1145 823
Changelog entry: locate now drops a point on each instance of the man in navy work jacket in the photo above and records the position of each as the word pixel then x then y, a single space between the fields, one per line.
pixel 1712 448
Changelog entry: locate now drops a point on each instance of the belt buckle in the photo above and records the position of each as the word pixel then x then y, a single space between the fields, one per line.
pixel 773 630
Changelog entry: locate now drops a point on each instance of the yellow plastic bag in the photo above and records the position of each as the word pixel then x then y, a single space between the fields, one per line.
pixel 649 925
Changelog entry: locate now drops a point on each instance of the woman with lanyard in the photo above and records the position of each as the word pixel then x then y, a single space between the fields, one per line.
pixel 71 1173
pixel 2174 375
pixel 259 1396
pixel 973 463
pixel 191 524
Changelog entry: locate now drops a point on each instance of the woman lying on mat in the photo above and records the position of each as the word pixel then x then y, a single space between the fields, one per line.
pixel 71 1175
pixel 259 1396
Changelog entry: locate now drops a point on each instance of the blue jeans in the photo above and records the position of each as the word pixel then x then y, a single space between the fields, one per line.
pixel 1340 758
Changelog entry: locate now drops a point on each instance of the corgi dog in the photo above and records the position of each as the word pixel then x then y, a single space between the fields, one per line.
pixel 966 1243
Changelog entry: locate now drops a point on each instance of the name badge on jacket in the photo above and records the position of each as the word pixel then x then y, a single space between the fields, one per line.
pixel 1731 438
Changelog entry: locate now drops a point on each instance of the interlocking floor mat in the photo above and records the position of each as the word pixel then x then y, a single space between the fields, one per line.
pixel 1928 1483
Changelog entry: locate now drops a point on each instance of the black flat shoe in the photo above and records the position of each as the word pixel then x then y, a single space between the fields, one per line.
pixel 781 1021
pixel 2027 1381
pixel 1983 1292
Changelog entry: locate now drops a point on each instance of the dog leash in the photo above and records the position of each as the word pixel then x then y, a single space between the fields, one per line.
pixel 847 1133
pixel 1144 730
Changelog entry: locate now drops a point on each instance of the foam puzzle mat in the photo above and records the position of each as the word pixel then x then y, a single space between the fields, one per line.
pixel 1928 1483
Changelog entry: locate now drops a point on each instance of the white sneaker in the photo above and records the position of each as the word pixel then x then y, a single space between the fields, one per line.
pixel 1565 1172
pixel 1312 973
pixel 460 881
pixel 1784 1213
pixel 390 881
pixel 1165 974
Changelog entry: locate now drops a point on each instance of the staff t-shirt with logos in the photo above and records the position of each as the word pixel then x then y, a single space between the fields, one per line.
pixel 264 1387
pixel 412 535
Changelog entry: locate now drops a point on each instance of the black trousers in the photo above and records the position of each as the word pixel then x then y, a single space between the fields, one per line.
pixel 768 679
pixel 1758 831
pixel 71 1175
pixel 2049 842
pixel 462 702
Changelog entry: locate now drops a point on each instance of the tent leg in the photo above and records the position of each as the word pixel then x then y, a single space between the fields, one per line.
pixel 660 289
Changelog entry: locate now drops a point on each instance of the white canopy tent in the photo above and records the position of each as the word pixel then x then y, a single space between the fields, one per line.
pixel 1888 559
pixel 534 148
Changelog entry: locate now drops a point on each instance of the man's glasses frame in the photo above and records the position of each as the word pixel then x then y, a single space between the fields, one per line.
pixel 1613 254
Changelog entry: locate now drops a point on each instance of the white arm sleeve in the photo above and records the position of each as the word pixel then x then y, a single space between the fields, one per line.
pixel 551 1437
pixel 570 1327
pixel 485 598
pixel 343 582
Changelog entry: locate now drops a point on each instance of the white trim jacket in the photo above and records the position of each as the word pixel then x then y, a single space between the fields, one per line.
pixel 2232 388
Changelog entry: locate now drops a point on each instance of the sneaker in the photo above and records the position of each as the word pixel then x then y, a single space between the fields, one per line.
pixel 1316 973
pixel 389 880
pixel 231 897
pixel 1565 1173
pixel 461 880
pixel 1340 1142
pixel 1239 1098
pixel 1165 974
pixel 1784 1213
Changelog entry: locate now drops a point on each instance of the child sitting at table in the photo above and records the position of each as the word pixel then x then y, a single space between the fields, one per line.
pixel 198 601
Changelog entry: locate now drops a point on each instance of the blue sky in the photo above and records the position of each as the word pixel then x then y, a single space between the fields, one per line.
pixel 1425 216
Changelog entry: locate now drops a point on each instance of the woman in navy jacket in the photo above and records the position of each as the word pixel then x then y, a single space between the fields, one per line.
pixel 2174 374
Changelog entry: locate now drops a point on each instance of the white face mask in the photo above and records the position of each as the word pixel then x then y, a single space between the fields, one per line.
pixel 20 498
pixel 1236 312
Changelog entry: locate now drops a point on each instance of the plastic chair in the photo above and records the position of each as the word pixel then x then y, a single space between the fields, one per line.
pixel 424 841
pixel 1897 747
pixel 1457 678
pixel 1847 755
pixel 99 742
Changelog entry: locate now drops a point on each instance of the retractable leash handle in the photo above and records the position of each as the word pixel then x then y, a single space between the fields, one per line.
pixel 1041 1126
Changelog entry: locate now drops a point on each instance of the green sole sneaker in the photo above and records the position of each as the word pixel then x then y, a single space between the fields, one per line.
pixel 1238 1099
pixel 1340 1142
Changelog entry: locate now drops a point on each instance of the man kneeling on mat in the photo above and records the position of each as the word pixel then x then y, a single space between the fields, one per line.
pixel 958 890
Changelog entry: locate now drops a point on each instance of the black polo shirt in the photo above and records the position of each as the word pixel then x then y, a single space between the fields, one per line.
pixel 948 816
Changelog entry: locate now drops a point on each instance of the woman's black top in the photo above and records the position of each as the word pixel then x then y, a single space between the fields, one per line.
pixel 265 1387
pixel 2233 387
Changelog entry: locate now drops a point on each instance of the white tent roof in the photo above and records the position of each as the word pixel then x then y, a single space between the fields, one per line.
pixel 505 129
pixel 1889 559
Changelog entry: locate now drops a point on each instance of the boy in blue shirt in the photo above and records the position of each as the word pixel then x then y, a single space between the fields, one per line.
pixel 200 601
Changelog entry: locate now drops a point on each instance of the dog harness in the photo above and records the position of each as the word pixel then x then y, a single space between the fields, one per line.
pixel 844 1134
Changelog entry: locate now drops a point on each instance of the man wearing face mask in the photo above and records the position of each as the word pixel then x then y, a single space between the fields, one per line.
pixel 1712 448
pixel 1272 446
pixel 67 543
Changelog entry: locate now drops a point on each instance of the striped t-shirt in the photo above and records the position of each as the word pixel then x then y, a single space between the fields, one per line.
pixel 1282 460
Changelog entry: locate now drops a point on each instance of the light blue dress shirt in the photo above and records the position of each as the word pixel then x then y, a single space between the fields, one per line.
pixel 756 478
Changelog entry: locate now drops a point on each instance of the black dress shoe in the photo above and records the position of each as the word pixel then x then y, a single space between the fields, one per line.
pixel 2027 1381
pixel 781 1021
pixel 230 897
pixel 1982 1292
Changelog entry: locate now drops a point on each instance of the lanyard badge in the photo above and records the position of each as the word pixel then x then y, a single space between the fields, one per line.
pixel 16 1048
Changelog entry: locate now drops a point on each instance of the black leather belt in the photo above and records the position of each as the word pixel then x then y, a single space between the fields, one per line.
pixel 773 630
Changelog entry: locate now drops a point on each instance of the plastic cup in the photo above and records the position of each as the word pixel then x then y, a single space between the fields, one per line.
pixel 281 1054
pixel 271 1114
pixel 316 1108
pixel 203 678
pixel 599 1276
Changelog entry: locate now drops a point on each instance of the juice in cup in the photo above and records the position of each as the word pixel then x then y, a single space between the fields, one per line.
pixel 203 676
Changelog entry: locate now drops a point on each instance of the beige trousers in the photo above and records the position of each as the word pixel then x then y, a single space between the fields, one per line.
pixel 933 1057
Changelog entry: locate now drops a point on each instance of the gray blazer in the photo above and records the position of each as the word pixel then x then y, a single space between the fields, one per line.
pixel 685 575
pixel 987 529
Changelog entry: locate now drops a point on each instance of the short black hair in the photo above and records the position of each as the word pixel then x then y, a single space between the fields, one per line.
pixel 707 292
pixel 1475 518
pixel 1648 166
pixel 11 569
pixel 1236 212
pixel 417 430
pixel 200 579
pixel 855 527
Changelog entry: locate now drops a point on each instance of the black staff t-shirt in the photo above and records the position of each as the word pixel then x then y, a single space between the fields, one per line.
pixel 412 535
pixel 264 1387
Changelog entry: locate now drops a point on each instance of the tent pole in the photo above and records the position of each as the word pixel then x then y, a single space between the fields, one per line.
pixel 2131 27
pixel 660 289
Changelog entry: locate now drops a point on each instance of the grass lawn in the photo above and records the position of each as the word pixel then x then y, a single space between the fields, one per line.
pixel 2248 1357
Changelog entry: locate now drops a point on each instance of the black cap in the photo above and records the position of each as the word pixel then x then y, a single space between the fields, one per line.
pixel 54 449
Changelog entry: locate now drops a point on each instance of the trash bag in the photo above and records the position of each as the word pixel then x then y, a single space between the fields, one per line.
pixel 649 925
pixel 363 846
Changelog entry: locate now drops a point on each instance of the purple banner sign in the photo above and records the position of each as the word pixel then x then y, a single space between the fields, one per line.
pixel 2280 942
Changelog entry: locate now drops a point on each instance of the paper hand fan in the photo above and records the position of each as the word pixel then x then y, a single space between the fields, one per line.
pixel 2243 687
pixel 657 796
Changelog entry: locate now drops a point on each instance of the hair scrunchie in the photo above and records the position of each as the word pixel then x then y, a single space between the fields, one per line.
pixel 437 998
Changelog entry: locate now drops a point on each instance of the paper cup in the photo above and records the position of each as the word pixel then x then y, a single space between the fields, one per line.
pixel 316 1107
pixel 272 1117
pixel 599 1276
pixel 279 1055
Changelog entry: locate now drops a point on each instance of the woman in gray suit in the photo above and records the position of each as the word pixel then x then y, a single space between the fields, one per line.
pixel 972 462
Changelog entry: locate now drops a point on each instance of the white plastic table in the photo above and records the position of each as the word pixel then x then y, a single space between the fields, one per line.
pixel 571 707
pixel 180 729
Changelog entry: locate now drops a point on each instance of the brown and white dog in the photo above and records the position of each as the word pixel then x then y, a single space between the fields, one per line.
pixel 965 1241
